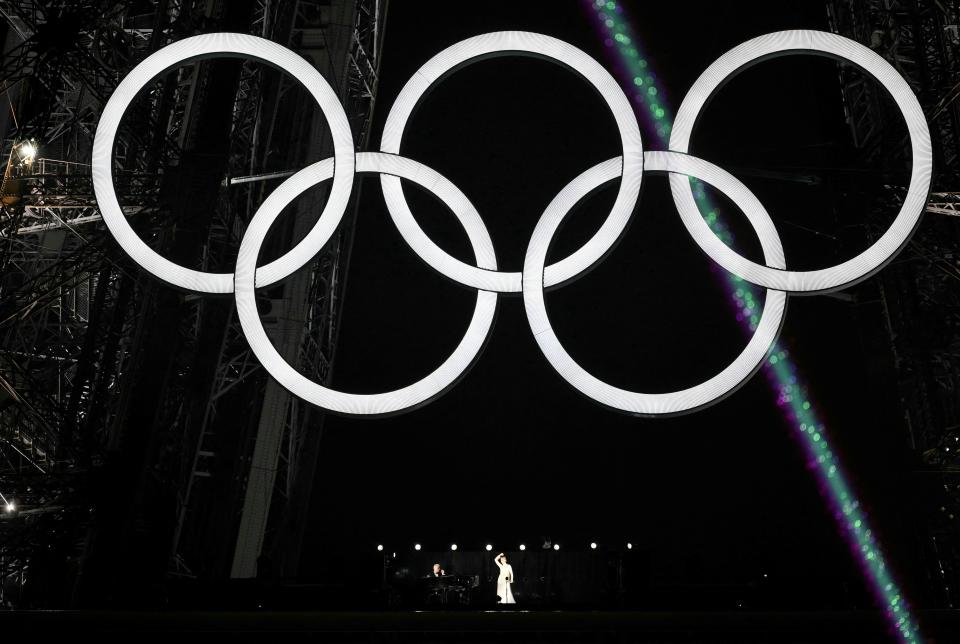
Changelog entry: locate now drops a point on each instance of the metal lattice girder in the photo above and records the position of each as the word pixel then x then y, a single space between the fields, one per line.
pixel 919 295
pixel 284 457
pixel 922 41
pixel 64 66
pixel 79 331
pixel 944 203
pixel 44 257
pixel 68 307
pixel 270 130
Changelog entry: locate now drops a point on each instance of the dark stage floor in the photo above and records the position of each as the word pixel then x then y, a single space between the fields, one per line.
pixel 476 626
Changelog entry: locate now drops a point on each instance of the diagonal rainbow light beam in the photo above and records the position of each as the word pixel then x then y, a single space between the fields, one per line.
pixel 792 394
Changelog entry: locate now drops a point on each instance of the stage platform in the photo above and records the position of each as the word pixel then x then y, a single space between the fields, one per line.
pixel 474 626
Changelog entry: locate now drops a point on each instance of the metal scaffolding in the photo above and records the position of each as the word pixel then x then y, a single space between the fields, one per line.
pixel 139 439
pixel 918 295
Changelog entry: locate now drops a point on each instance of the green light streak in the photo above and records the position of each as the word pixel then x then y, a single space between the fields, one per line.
pixel 792 395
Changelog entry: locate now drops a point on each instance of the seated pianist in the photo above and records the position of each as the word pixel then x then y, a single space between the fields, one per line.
pixel 442 588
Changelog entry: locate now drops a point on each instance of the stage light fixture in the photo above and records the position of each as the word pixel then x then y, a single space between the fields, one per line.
pixel 522 547
pixel 629 546
pixel 593 545
pixel 416 546
pixel 28 151
pixel 11 507
pixel 453 546
pixel 556 546
pixel 380 548
pixel 489 547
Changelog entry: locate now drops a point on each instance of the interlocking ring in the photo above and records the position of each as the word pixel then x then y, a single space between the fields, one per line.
pixel 365 404
pixel 522 43
pixel 735 374
pixel 884 249
pixel 484 276
pixel 209 46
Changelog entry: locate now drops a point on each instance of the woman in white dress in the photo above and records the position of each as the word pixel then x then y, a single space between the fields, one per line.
pixel 505 581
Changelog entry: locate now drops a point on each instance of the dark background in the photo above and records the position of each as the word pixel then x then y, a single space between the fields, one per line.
pixel 512 454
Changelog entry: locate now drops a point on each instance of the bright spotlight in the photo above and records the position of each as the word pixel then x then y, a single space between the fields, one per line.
pixel 522 547
pixel 489 547
pixel 28 151
pixel 416 546
pixel 629 546
pixel 593 545
pixel 453 546
pixel 379 548
pixel 556 546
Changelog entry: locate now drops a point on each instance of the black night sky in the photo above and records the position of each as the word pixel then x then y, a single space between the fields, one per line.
pixel 512 453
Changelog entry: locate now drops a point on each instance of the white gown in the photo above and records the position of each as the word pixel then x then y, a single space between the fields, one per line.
pixel 504 582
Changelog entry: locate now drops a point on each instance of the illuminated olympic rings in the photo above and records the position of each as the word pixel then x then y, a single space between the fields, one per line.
pixel 628 168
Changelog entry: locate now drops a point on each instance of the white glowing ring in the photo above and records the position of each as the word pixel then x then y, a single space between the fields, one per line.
pixel 712 390
pixel 366 404
pixel 210 45
pixel 536 275
pixel 870 260
pixel 515 42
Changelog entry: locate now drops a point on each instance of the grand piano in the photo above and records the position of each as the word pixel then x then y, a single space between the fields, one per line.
pixel 449 589
pixel 407 585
